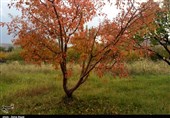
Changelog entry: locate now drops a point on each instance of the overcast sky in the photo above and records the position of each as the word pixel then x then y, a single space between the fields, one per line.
pixel 4 17
pixel 111 11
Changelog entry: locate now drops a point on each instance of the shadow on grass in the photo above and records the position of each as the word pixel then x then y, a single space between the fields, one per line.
pixel 75 105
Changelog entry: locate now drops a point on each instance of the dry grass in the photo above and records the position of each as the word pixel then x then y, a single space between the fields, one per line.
pixel 145 66
pixel 38 90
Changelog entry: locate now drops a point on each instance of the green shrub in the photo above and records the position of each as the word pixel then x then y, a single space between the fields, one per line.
pixel 11 48
pixel 14 55
pixel 73 55
pixel 132 56
pixel 2 49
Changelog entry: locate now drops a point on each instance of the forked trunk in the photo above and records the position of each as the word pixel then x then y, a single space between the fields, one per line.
pixel 69 93
pixel 66 90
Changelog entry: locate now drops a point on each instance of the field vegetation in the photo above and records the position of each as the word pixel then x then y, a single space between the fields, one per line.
pixel 38 90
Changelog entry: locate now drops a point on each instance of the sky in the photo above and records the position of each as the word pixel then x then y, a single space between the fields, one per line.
pixel 111 12
pixel 4 17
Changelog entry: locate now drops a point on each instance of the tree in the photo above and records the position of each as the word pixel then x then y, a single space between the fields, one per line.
pixel 2 49
pixel 160 35
pixel 11 48
pixel 47 27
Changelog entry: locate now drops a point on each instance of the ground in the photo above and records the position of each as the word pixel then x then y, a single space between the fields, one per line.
pixel 38 90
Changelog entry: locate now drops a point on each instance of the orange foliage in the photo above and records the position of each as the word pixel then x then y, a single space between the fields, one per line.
pixel 47 27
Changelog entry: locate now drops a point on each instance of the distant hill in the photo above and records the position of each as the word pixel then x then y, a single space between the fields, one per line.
pixel 6 46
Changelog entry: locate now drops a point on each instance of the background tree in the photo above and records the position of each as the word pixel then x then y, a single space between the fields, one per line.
pixel 46 29
pixel 160 36
pixel 2 49
pixel 10 48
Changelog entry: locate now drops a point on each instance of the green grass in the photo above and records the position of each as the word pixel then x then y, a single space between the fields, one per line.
pixel 38 90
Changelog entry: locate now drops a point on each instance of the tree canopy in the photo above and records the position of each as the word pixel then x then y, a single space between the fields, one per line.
pixel 46 28
pixel 160 35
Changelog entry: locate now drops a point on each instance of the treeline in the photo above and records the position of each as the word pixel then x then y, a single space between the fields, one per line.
pixel 14 54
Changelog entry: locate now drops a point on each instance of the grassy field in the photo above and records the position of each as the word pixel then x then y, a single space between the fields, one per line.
pixel 38 90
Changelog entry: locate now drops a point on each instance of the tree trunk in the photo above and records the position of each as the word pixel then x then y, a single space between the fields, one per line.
pixel 66 90
pixel 64 72
pixel 69 93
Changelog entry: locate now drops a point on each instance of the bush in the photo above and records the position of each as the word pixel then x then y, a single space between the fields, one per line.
pixel 3 57
pixel 73 55
pixel 11 48
pixel 2 49
pixel 14 55
pixel 132 56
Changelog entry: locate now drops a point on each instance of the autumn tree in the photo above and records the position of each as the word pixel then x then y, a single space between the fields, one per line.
pixel 46 28
pixel 159 36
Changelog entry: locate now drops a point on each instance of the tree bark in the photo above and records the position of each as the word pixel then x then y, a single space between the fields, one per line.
pixel 69 92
